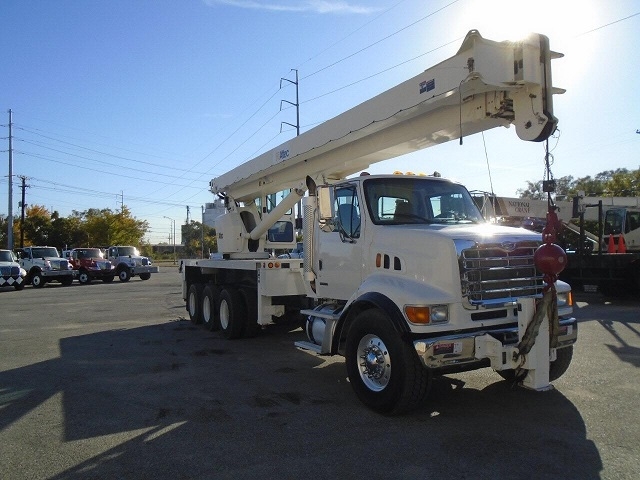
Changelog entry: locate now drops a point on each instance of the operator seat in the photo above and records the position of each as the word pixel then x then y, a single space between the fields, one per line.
pixel 403 210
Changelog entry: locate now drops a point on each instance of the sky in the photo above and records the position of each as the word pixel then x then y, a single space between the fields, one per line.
pixel 143 102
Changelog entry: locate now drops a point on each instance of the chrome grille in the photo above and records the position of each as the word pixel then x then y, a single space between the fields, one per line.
pixel 497 274
pixel 9 271
pixel 59 264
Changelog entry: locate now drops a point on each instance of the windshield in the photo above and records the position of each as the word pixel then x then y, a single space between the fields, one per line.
pixel 124 251
pixel 44 252
pixel 6 256
pixel 422 200
pixel 88 253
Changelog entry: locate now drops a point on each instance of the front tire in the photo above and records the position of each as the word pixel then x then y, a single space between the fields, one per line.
pixel 124 275
pixel 66 281
pixel 145 276
pixel 84 278
pixel 18 286
pixel 385 371
pixel 36 280
pixel 107 279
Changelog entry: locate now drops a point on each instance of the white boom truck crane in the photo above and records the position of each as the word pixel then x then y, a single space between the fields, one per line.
pixel 400 274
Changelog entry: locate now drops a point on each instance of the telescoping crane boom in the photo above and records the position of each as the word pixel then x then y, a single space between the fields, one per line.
pixel 485 85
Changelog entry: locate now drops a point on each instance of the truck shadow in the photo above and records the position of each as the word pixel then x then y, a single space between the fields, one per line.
pixel 520 433
pixel 174 401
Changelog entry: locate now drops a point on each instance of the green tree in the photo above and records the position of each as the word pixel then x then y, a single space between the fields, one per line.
pixel 192 239
pixel 67 232
pixel 615 183
pixel 535 190
pixel 4 222
pixel 105 227
pixel 37 226
pixel 624 183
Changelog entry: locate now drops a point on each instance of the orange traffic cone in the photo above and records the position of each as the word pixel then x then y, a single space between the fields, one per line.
pixel 612 246
pixel 622 247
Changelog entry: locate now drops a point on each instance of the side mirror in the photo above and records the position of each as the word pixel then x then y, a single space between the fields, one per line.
pixel 325 204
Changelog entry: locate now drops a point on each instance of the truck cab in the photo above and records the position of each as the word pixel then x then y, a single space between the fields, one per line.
pixel 418 249
pixel 11 273
pixel 129 262
pixel 91 264
pixel 44 264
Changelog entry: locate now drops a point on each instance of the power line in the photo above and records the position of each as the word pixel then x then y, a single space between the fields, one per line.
pixel 380 40
pixel 106 172
pixel 607 25
pixel 119 157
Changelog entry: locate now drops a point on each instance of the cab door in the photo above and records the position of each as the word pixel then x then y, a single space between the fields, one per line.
pixel 340 248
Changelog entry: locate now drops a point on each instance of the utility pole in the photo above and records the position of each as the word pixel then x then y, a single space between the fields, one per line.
pixel 22 208
pixel 202 233
pixel 297 125
pixel 188 211
pixel 10 207
pixel 297 104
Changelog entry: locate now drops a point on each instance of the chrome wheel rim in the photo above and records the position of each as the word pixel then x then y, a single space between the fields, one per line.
pixel 374 362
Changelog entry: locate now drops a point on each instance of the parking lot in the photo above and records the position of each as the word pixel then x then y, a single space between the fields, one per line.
pixel 110 381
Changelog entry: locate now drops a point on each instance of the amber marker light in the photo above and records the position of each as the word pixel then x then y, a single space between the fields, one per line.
pixel 420 315
pixel 423 315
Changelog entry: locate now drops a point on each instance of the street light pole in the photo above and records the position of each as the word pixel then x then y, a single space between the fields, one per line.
pixel 172 227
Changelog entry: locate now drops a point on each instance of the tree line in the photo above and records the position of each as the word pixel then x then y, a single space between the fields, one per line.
pixel 96 228
pixel 102 227
pixel 610 183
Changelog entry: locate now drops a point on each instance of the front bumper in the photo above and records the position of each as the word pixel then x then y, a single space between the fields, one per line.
pixel 11 280
pixel 138 269
pixel 101 272
pixel 494 348
pixel 55 274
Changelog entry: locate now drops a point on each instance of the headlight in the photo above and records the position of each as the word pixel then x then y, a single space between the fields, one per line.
pixel 425 315
pixel 565 299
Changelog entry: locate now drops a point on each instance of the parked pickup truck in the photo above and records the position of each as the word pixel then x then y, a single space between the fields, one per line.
pixel 44 264
pixel 91 264
pixel 11 273
pixel 129 263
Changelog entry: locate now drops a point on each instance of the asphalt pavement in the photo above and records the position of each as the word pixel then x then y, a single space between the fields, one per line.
pixel 110 381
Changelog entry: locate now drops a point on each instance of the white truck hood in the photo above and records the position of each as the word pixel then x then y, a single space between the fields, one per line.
pixel 483 232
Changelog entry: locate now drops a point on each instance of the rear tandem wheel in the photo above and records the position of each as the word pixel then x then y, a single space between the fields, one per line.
pixel 209 306
pixel 194 305
pixel 232 313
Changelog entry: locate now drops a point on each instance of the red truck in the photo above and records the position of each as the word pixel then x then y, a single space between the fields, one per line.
pixel 91 264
